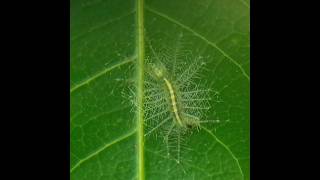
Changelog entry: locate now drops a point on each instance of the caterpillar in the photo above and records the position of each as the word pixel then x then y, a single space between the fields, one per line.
pixel 175 104
pixel 181 121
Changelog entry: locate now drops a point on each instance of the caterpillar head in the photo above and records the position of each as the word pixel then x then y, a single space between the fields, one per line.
pixel 157 70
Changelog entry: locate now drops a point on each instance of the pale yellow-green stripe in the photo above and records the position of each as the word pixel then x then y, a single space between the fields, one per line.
pixel 173 101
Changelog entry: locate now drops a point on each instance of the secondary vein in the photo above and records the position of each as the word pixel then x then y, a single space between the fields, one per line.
pixel 245 74
pixel 102 149
pixel 99 74
pixel 227 148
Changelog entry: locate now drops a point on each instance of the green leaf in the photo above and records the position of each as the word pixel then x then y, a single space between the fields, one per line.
pixel 109 51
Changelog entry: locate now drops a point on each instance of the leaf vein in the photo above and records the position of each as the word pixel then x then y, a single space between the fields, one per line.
pixel 94 28
pixel 201 37
pixel 99 74
pixel 226 147
pixel 140 87
pixel 104 147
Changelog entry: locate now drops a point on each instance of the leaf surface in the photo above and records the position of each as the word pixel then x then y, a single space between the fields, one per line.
pixel 105 57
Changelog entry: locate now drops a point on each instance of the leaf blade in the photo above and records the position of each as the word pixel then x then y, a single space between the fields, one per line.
pixel 104 33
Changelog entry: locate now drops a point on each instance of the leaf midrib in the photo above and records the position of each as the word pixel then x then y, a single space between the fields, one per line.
pixel 140 88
